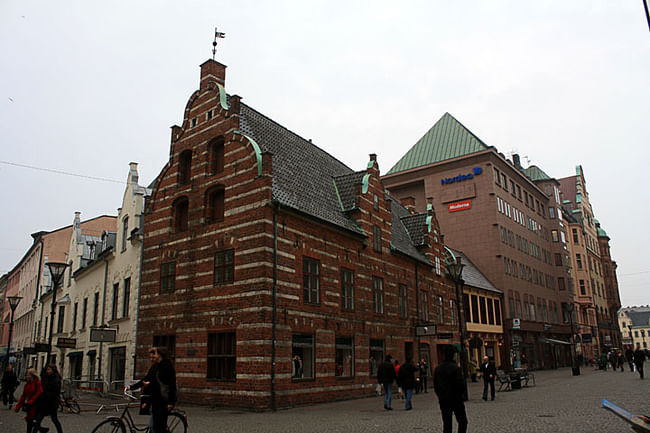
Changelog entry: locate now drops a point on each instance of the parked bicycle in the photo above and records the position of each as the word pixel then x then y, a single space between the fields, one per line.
pixel 68 404
pixel 176 421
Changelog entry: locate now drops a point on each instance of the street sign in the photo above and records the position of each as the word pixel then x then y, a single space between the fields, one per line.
pixel 516 323
pixel 67 343
pixel 42 347
pixel 425 330
pixel 445 336
pixel 104 335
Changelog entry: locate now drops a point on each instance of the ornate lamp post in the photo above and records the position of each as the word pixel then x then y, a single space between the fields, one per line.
pixel 570 307
pixel 13 303
pixel 56 270
pixel 455 270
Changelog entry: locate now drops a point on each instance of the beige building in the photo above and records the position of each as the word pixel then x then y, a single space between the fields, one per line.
pixel 634 324
pixel 100 292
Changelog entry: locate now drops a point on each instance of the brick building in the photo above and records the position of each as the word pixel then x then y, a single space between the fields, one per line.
pixel 507 220
pixel 275 274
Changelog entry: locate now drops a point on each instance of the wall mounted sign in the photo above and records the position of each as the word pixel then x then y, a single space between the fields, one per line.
pixel 459 205
pixel 461 177
pixel 516 323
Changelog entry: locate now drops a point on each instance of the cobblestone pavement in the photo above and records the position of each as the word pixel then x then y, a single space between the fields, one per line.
pixel 559 402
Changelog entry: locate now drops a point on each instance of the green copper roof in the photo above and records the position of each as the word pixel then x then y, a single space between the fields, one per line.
pixel 599 229
pixel 535 173
pixel 447 139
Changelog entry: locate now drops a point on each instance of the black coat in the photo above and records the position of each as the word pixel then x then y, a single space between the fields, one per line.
pixel 49 400
pixel 487 369
pixel 406 376
pixel 9 380
pixel 386 373
pixel 448 382
pixel 639 357
pixel 159 374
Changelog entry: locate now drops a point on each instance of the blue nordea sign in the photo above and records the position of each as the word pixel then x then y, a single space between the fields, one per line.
pixel 461 177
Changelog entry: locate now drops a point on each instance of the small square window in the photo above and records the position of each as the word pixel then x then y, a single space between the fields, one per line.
pixel 194 122
pixel 209 115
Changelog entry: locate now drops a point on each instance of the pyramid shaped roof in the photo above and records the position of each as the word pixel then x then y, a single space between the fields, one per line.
pixel 447 139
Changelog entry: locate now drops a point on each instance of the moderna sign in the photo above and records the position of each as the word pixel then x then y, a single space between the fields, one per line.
pixel 461 177
pixel 459 205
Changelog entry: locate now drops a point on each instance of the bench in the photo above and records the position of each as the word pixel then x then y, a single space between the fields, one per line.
pixel 525 376
pixel 504 381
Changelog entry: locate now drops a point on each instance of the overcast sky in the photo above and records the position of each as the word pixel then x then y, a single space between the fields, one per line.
pixel 88 86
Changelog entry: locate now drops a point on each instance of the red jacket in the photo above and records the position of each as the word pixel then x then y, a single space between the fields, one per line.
pixel 31 393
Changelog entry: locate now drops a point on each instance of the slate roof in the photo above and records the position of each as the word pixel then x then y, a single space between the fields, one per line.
pixel 534 173
pixel 400 239
pixel 640 316
pixel 473 276
pixel 311 181
pixel 447 139
pixel 414 225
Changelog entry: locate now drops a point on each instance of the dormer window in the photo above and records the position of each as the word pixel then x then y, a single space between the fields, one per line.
pixel 185 167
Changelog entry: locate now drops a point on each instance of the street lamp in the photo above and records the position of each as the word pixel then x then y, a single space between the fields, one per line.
pixel 13 303
pixel 455 270
pixel 574 359
pixel 56 270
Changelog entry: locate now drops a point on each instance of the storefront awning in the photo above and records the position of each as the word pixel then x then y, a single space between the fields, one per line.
pixel 75 354
pixel 554 341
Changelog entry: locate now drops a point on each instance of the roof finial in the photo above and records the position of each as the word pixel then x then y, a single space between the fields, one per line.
pixel 217 34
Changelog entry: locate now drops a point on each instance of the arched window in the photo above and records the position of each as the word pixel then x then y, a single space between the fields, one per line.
pixel 214 205
pixel 185 167
pixel 215 156
pixel 180 216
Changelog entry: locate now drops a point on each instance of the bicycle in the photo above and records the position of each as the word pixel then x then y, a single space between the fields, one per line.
pixel 68 404
pixel 176 421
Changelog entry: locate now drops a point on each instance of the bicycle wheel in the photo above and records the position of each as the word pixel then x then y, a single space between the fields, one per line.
pixel 74 406
pixel 176 423
pixel 110 425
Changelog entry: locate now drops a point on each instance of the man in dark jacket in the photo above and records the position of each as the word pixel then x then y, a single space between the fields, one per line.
pixel 386 377
pixel 489 372
pixel 448 385
pixel 639 359
pixel 48 403
pixel 629 356
pixel 9 385
pixel 160 385
pixel 406 379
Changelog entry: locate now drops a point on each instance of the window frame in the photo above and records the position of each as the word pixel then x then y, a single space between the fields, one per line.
pixel 167 277
pixel 224 268
pixel 221 356
pixel 311 280
pixel 347 289
pixel 377 295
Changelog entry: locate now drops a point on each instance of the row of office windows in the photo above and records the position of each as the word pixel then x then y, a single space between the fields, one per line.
pixel 516 191
pixel 520 218
pixel 527 273
pixel 544 311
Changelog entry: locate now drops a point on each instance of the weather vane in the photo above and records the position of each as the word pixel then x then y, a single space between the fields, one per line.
pixel 217 35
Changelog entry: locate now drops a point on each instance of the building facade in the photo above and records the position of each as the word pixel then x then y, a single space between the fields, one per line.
pixel 505 222
pixel 634 325
pixel 274 274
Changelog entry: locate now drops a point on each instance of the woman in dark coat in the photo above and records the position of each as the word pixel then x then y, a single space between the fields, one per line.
pixel 49 402
pixel 30 397
pixel 406 379
pixel 160 385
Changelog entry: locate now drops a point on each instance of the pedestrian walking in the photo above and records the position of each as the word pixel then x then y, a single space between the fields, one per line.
pixel 400 392
pixel 449 387
pixel 424 373
pixel 620 359
pixel 629 356
pixel 489 372
pixel 9 384
pixel 49 401
pixel 386 377
pixel 29 399
pixel 406 380
pixel 639 359
pixel 160 385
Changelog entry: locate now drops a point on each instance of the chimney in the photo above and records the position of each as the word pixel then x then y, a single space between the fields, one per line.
pixel 212 71
pixel 133 172
pixel 516 160
pixel 408 203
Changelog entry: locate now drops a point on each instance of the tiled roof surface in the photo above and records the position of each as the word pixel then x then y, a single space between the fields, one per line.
pixel 346 186
pixel 639 317
pixel 473 277
pixel 447 139
pixel 415 227
pixel 400 239
pixel 534 173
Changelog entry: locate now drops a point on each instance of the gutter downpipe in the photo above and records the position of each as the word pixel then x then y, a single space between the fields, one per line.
pixel 276 206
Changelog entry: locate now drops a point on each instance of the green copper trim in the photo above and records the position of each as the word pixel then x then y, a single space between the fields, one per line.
pixel 365 183
pixel 371 163
pixel 256 148
pixel 223 99
pixel 451 253
pixel 336 189
pixel 428 222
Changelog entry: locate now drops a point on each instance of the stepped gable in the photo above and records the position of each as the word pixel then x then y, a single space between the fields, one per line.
pixel 303 174
pixel 447 139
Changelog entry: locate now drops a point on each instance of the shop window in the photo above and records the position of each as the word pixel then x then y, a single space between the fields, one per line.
pixel 224 267
pixel 221 356
pixel 214 205
pixel 347 289
pixel 167 277
pixel 376 356
pixel 302 354
pixel 180 212
pixel 216 156
pixel 344 357
pixel 185 167
pixel 311 280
